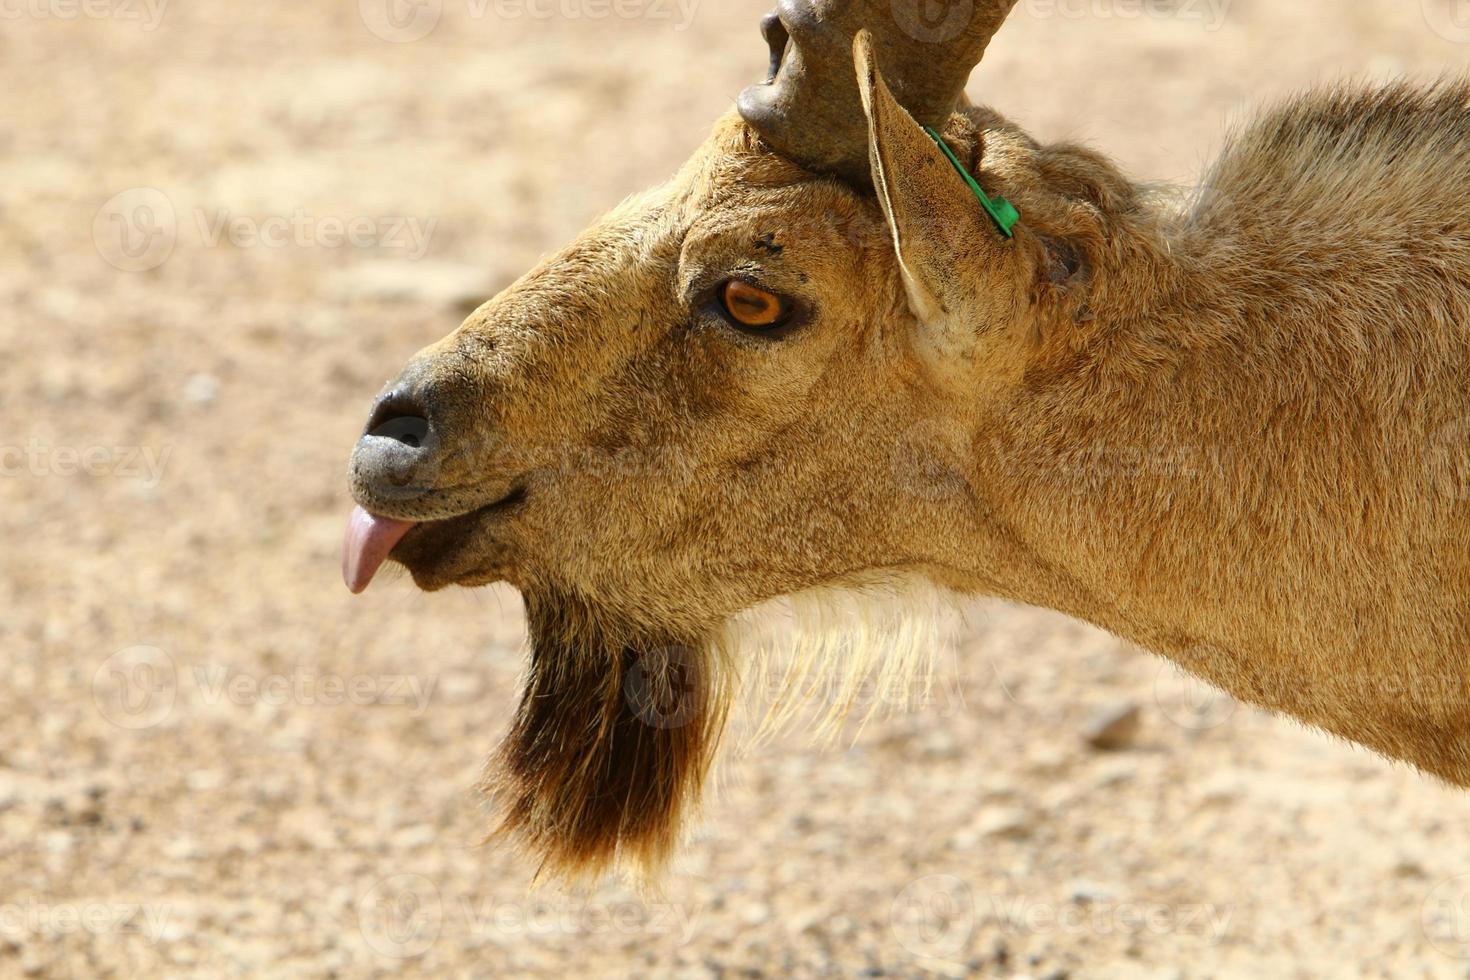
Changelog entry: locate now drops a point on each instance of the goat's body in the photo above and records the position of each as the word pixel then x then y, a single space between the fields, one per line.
pixel 1235 432
pixel 1262 468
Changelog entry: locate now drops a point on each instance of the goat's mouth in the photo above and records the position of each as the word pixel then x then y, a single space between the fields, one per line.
pixel 437 552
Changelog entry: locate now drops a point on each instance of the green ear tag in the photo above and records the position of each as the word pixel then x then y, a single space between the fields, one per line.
pixel 1001 211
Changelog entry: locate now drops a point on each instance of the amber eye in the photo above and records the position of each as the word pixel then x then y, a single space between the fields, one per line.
pixel 751 306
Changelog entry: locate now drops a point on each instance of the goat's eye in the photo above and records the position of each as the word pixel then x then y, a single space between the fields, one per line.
pixel 751 306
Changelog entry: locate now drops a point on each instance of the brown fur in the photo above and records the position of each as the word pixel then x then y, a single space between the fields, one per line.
pixel 1237 433
pixel 612 742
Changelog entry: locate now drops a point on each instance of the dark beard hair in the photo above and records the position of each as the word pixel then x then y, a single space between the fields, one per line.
pixel 608 753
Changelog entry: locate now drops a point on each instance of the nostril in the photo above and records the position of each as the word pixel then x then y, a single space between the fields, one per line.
pixel 402 418
pixel 407 429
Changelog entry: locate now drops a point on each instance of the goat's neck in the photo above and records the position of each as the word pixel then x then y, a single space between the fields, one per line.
pixel 1106 487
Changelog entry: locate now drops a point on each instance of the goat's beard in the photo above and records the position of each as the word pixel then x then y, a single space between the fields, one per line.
pixel 612 742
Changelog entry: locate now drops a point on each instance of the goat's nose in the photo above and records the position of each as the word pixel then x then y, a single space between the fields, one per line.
pixel 399 451
pixel 401 417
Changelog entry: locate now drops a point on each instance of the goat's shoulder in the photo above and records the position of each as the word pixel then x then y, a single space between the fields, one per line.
pixel 1393 148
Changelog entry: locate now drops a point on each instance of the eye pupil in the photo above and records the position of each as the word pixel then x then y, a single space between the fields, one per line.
pixel 751 305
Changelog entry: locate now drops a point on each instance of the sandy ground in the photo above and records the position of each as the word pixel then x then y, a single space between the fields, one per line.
pixel 214 762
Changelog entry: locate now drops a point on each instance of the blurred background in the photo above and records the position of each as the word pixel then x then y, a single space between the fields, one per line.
pixel 223 226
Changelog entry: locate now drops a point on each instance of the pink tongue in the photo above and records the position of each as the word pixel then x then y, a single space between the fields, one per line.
pixel 369 539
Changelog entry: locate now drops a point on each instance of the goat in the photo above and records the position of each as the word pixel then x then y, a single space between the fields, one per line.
pixel 1235 432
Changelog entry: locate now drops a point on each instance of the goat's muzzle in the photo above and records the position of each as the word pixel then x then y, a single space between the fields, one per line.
pixel 395 462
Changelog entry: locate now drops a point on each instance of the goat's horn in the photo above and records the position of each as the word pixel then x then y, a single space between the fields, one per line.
pixel 809 110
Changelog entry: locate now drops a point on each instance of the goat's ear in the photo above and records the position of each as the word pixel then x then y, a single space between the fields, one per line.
pixel 942 235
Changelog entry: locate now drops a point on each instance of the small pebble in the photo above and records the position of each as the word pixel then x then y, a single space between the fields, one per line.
pixel 1113 727
pixel 201 389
